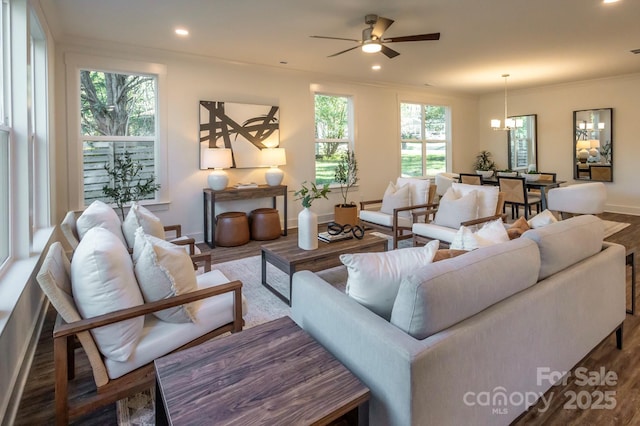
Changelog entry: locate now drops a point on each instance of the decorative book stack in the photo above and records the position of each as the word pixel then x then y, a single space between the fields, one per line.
pixel 328 238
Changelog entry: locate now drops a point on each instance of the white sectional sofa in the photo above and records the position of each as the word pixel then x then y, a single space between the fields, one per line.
pixel 493 322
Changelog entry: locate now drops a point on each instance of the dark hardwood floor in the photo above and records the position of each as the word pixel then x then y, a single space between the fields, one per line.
pixel 36 406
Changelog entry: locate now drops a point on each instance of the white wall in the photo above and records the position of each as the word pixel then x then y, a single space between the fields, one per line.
pixel 554 106
pixel 191 79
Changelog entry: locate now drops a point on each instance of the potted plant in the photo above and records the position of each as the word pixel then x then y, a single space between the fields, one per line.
pixel 346 175
pixel 531 175
pixel 484 164
pixel 125 182
pixel 307 219
pixel 506 173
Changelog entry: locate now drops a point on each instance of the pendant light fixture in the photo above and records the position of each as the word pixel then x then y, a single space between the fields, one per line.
pixel 509 123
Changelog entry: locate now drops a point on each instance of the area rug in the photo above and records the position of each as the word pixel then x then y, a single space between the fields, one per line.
pixel 262 306
pixel 611 227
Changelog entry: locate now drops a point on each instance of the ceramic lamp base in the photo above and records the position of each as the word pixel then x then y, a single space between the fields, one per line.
pixel 273 176
pixel 218 180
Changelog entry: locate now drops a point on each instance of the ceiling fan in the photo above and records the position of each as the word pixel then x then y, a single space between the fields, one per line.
pixel 372 40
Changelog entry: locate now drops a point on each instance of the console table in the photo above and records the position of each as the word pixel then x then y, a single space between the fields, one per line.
pixel 232 194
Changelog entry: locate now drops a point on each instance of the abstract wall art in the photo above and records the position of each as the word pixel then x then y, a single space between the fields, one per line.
pixel 246 129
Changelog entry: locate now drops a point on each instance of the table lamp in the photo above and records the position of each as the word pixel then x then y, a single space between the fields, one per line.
pixel 217 159
pixel 274 157
pixel 582 147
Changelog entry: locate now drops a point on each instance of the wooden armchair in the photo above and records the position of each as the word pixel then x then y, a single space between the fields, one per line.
pixel 55 280
pixel 70 232
pixel 400 227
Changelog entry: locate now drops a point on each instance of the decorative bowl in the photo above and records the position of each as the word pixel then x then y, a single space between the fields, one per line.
pixel 507 174
pixel 485 173
pixel 531 177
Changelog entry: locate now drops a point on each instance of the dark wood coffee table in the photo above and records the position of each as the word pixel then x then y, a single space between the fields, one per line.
pixel 289 258
pixel 273 373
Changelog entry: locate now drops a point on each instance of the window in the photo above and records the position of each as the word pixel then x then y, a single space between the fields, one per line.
pixel 333 133
pixel 4 133
pixel 117 115
pixel 425 138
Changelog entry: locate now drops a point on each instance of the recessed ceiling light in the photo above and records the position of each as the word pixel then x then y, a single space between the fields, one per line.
pixel 182 32
pixel 375 67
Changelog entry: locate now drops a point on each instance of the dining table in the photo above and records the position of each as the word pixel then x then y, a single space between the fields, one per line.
pixel 542 185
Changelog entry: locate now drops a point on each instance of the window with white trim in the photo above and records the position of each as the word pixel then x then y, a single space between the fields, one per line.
pixel 425 139
pixel 4 133
pixel 118 115
pixel 333 133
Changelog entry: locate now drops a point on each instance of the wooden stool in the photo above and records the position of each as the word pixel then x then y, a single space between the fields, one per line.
pixel 265 224
pixel 232 229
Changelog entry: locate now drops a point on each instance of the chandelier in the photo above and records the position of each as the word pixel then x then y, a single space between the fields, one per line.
pixel 509 123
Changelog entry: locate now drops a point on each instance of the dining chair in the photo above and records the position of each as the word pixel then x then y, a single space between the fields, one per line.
pixel 544 177
pixel 470 179
pixel 515 194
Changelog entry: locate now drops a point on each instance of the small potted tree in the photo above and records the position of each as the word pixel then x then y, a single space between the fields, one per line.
pixel 346 175
pixel 484 164
pixel 125 182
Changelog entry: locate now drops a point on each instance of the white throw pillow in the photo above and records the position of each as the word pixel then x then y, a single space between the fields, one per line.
pixel 374 278
pixel 140 216
pixel 419 189
pixel 395 197
pixel 164 270
pixel 454 210
pixel 102 281
pixel 102 215
pixel 491 233
pixel 487 197
pixel 542 219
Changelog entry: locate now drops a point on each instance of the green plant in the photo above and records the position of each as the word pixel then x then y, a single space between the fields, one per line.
pixel 126 184
pixel 484 162
pixel 346 175
pixel 307 195
pixel 533 172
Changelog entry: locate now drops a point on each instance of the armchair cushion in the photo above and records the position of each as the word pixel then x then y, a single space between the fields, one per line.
pixel 102 281
pixel 163 270
pixel 160 337
pixel 419 189
pixel 374 278
pixel 492 232
pixel 140 216
pixel 383 219
pixel 455 209
pixel 487 197
pixel 102 215
pixel 394 197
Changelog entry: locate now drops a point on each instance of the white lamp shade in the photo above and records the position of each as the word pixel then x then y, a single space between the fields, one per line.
pixel 583 144
pixel 274 157
pixel 217 158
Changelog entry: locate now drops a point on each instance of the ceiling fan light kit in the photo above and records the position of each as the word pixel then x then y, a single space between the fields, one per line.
pixel 372 41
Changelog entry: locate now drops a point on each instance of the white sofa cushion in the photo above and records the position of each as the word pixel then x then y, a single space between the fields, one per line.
pixel 140 216
pixel 435 232
pixel 383 219
pixel 102 215
pixel 492 232
pixel 567 242
pixel 444 293
pixel 160 337
pixel 455 209
pixel 395 197
pixel 419 189
pixel 374 278
pixel 487 197
pixel 102 281
pixel 543 218
pixel 163 270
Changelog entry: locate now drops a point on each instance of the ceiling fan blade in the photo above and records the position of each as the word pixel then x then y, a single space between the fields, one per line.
pixel 344 51
pixel 390 53
pixel 382 24
pixel 419 37
pixel 337 38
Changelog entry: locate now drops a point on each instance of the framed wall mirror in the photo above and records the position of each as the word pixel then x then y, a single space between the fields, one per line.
pixel 592 144
pixel 522 143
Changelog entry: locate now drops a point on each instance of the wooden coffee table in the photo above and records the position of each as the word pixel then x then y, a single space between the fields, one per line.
pixel 289 258
pixel 273 373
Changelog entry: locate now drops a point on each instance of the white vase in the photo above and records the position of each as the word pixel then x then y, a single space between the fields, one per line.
pixel 307 230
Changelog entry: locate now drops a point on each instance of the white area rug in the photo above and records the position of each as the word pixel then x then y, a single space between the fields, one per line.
pixel 611 227
pixel 263 306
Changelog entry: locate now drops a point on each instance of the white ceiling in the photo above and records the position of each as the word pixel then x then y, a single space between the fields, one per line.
pixel 538 42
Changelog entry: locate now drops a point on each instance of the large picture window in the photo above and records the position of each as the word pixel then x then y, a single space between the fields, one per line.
pixel 424 139
pixel 117 115
pixel 333 133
